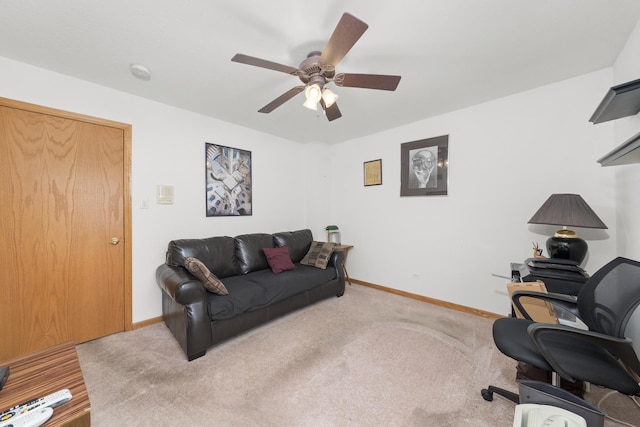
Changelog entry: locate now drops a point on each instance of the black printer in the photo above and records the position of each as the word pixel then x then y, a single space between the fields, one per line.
pixel 562 276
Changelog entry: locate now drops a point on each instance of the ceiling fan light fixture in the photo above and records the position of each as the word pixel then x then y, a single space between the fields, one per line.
pixel 313 92
pixel 319 68
pixel 329 97
pixel 310 104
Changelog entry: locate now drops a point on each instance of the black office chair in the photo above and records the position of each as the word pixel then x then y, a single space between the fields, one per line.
pixel 606 354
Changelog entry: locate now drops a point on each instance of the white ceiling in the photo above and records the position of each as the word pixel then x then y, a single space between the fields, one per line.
pixel 450 53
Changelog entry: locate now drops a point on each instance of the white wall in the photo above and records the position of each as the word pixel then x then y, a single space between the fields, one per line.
pixel 505 158
pixel 168 146
pixel 627 68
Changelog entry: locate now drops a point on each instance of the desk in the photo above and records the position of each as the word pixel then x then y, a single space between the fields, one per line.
pixel 345 249
pixel 44 372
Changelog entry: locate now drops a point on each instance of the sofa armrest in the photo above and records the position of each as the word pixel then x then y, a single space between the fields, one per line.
pixel 337 261
pixel 180 285
pixel 184 309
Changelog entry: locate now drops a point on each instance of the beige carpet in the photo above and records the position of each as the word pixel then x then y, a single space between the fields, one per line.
pixel 367 359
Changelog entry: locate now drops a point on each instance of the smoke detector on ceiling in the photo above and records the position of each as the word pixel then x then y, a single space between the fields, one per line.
pixel 140 72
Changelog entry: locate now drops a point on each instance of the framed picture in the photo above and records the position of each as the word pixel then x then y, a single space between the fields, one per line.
pixel 424 166
pixel 228 181
pixel 373 172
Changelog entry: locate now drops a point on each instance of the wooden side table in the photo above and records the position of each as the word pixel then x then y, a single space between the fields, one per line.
pixel 44 372
pixel 345 249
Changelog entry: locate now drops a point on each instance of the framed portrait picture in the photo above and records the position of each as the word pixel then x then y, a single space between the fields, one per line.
pixel 228 181
pixel 424 167
pixel 373 172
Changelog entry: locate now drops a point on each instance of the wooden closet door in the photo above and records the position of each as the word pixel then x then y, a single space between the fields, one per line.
pixel 62 277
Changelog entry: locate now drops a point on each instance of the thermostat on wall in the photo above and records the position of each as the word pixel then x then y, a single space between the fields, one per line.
pixel 164 194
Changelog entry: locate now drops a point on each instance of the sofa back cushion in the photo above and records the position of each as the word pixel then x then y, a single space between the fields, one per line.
pixel 249 251
pixel 298 242
pixel 216 253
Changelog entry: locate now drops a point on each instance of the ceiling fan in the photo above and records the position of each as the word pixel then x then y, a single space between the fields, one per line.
pixel 318 69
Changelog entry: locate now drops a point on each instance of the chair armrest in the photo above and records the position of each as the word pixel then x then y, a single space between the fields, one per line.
pixel 620 348
pixel 566 302
pixel 180 285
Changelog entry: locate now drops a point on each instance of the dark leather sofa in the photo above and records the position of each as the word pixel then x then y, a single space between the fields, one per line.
pixel 199 319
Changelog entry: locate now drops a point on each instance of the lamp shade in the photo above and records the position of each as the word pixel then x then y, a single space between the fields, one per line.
pixel 568 210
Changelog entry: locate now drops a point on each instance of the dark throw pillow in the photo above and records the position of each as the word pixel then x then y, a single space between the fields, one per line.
pixel 319 254
pixel 208 279
pixel 279 259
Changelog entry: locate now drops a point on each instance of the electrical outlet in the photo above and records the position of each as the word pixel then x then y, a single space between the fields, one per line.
pixel 144 204
pixel 415 276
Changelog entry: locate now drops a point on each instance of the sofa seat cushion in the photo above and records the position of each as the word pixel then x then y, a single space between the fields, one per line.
pixel 261 288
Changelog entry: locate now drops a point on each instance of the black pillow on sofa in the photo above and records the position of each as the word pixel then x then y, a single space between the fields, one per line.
pixel 249 252
pixel 298 242
pixel 217 253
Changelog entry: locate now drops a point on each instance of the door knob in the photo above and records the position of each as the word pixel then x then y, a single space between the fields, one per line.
pixel 115 240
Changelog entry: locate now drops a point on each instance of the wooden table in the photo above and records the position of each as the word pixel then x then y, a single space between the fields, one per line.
pixel 44 372
pixel 345 249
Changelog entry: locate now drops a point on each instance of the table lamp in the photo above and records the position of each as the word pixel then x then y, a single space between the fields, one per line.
pixel 567 210
pixel 333 234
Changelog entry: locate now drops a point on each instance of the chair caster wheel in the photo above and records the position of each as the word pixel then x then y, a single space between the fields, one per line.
pixel 486 394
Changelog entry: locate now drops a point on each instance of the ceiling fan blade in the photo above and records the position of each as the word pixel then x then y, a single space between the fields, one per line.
pixel 347 33
pixel 332 112
pixel 281 99
pixel 263 63
pixel 367 81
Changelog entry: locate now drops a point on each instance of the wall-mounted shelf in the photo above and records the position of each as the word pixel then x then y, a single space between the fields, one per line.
pixel 625 154
pixel 620 101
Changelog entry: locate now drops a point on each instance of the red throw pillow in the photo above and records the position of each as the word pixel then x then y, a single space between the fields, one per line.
pixel 279 259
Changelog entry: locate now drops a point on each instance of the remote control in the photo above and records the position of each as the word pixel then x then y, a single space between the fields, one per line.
pixel 51 400
pixel 34 418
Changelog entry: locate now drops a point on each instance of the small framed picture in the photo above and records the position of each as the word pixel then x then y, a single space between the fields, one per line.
pixel 424 167
pixel 373 172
